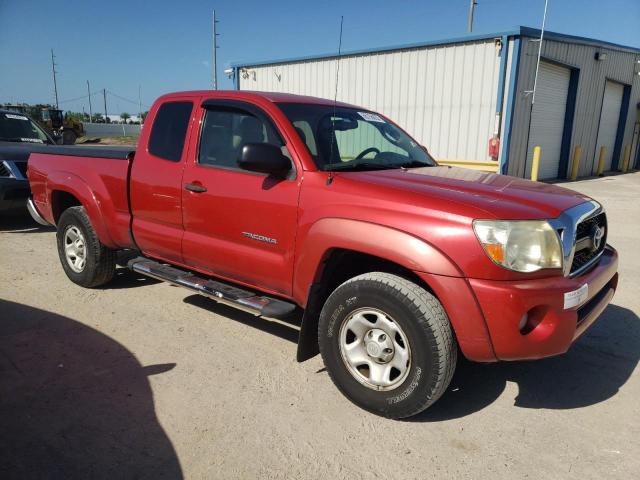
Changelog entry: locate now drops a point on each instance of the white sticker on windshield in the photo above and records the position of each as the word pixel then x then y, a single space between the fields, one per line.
pixel 371 117
pixel 16 117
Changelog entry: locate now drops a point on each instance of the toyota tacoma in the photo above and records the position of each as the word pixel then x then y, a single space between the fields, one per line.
pixel 277 204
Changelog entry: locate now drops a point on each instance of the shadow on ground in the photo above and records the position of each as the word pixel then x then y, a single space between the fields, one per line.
pixel 287 329
pixel 19 221
pixel 593 370
pixel 74 403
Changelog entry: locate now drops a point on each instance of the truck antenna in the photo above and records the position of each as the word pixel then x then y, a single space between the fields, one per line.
pixel 335 101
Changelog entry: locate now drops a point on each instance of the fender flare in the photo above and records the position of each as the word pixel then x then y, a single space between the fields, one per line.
pixel 381 241
pixel 374 239
pixel 76 186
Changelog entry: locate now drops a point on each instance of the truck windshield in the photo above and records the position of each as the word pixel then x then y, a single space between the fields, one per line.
pixel 15 127
pixel 340 138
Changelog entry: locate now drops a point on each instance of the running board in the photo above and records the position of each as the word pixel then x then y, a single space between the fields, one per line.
pixel 221 292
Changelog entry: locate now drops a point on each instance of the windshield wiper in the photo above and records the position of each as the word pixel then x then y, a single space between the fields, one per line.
pixel 333 167
pixel 415 164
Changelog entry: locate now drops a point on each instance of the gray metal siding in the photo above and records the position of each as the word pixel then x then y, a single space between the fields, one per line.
pixel 505 94
pixel 618 67
pixel 444 96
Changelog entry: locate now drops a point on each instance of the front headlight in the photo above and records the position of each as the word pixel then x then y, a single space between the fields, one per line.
pixel 520 245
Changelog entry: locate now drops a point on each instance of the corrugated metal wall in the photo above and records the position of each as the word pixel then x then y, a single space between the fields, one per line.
pixel 618 66
pixel 444 96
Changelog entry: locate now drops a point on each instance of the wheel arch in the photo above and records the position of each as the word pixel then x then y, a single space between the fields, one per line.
pixel 342 249
pixel 67 190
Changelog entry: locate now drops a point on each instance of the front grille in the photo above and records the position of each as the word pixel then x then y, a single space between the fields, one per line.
pixel 586 254
pixel 4 171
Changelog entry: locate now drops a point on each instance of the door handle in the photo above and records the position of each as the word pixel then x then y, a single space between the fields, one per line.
pixel 194 187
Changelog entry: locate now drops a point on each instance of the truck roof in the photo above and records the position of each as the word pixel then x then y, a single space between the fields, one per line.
pixel 274 97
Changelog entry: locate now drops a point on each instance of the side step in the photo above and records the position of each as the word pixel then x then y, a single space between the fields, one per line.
pixel 221 292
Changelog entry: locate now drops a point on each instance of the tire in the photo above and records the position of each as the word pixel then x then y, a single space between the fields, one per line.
pixel 99 263
pixel 421 332
pixel 69 137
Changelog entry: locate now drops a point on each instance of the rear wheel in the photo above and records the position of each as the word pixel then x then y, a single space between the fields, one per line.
pixel 84 259
pixel 387 344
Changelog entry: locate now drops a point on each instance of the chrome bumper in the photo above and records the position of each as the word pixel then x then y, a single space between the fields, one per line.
pixel 33 211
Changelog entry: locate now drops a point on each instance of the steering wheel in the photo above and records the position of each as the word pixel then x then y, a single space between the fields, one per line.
pixel 366 152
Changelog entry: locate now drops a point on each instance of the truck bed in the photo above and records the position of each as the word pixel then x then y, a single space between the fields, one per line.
pixel 96 177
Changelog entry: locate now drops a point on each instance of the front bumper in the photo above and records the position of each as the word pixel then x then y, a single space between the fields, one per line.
pixel 554 328
pixel 13 193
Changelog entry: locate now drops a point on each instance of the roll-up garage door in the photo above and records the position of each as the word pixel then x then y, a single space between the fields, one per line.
pixel 609 119
pixel 547 118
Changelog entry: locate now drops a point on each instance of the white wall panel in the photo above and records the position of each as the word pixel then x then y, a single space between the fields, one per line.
pixel 445 96
pixel 547 118
pixel 609 120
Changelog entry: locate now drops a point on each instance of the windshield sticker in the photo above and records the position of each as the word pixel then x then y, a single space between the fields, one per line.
pixel 31 140
pixel 371 117
pixel 16 117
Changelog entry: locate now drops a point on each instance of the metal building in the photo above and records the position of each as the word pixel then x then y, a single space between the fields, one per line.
pixel 456 95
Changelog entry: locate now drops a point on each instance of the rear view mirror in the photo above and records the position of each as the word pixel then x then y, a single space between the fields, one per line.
pixel 264 158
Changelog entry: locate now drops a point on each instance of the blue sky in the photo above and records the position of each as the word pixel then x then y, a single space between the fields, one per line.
pixel 165 45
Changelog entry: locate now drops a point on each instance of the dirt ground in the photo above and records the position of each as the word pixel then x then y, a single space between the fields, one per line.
pixel 141 379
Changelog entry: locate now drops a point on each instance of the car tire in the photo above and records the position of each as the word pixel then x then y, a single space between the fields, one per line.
pixel 85 260
pixel 376 322
pixel 69 137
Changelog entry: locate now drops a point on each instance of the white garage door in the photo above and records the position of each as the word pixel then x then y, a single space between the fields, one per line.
pixel 547 118
pixel 609 119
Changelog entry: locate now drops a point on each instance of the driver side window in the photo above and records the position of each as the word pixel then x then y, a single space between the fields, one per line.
pixel 225 132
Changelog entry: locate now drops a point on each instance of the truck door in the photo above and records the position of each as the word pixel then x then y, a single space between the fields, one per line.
pixel 156 180
pixel 239 225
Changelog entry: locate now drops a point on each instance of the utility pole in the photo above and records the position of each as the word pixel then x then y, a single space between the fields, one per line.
pixel 104 93
pixel 53 69
pixel 215 47
pixel 472 4
pixel 90 109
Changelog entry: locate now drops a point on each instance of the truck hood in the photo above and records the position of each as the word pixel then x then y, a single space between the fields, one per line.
pixel 486 194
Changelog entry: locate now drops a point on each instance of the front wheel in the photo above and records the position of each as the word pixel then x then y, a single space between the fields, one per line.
pixel 387 344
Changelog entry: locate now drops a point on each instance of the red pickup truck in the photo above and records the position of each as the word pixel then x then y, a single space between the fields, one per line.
pixel 274 203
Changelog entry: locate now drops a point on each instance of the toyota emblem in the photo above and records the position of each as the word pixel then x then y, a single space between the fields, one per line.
pixel 596 237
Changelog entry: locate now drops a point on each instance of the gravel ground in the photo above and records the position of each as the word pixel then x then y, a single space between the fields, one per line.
pixel 145 380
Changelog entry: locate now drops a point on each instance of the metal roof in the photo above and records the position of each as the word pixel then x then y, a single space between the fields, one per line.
pixel 517 32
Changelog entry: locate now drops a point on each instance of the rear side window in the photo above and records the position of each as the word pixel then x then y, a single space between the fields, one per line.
pixel 169 130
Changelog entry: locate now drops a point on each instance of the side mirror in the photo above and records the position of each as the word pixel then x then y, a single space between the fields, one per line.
pixel 264 158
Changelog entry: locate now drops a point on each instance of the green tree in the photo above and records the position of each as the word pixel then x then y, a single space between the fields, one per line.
pixel 77 116
pixel 125 116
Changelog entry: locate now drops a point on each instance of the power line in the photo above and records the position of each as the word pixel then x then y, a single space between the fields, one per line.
pixel 80 98
pixel 134 102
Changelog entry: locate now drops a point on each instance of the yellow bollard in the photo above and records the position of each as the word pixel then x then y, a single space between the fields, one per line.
pixel 603 154
pixel 535 165
pixel 626 157
pixel 576 162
